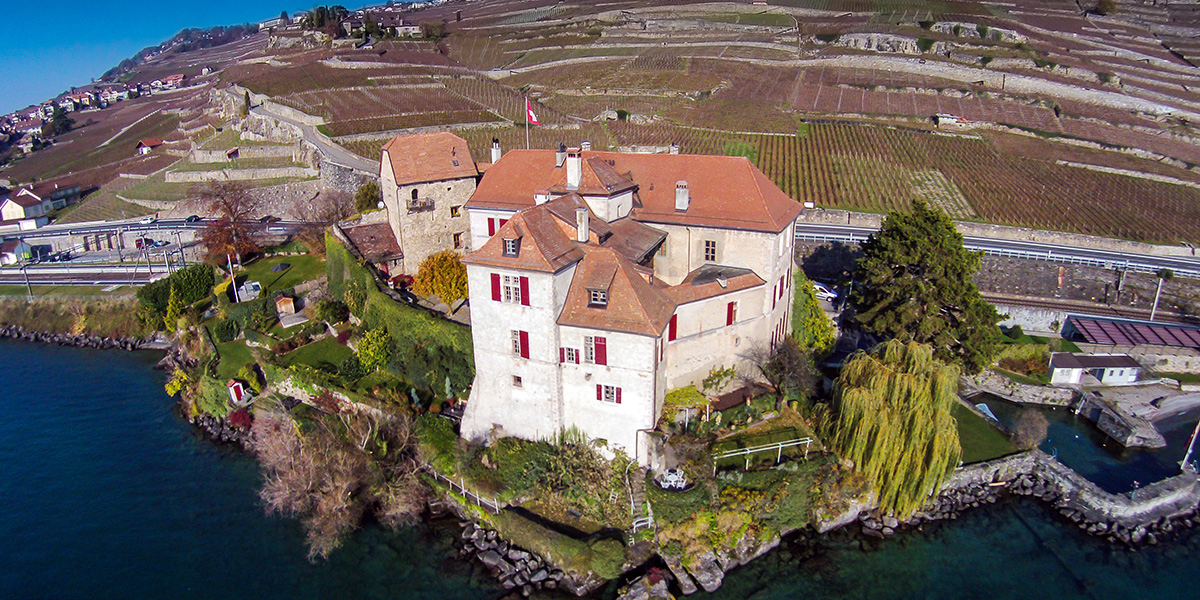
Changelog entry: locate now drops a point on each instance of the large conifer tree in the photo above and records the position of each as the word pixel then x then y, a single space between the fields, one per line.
pixel 915 282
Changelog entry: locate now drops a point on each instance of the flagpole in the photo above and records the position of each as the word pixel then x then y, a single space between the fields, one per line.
pixel 526 122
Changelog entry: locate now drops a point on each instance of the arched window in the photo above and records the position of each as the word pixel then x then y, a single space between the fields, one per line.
pixel 414 193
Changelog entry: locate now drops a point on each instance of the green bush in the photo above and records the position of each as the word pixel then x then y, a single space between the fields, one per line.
pixel 333 311
pixel 924 44
pixel 226 330
pixel 194 283
pixel 436 439
pixel 608 556
pixel 351 369
pixel 212 398
pixel 375 349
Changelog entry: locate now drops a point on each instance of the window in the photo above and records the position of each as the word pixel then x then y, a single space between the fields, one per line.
pixel 510 288
pixel 494 225
pixel 516 342
pixel 599 298
pixel 731 310
pixel 568 355
pixel 710 251
pixel 662 250
pixel 454 211
pixel 595 350
pixel 512 246
pixel 458 240
pixel 672 328
pixel 520 343
pixel 517 381
pixel 414 194
pixel 608 393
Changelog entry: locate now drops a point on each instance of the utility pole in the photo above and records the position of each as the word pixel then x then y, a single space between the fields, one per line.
pixel 232 279
pixel 179 242
pixel 28 288
pixel 1188 456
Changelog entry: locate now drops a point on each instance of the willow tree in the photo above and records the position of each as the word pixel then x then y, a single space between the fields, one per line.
pixel 894 421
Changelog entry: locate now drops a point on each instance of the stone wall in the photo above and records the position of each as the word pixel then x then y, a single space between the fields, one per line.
pixel 217 156
pixel 343 179
pixel 998 385
pixel 1031 318
pixel 240 174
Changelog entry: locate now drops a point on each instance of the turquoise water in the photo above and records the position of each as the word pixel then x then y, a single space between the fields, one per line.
pixel 107 493
pixel 1077 443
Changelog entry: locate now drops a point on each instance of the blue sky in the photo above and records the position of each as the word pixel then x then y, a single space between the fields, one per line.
pixel 70 42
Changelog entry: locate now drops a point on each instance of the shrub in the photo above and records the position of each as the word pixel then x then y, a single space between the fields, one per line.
pixel 982 30
pixel 622 114
pixel 442 274
pixel 194 283
pixel 828 38
pixel 367 198
pixel 608 556
pixel 226 330
pixel 375 349
pixel 332 311
pixel 351 369
pixel 1030 428
pixel 924 44
pixel 250 376
pixel 1016 332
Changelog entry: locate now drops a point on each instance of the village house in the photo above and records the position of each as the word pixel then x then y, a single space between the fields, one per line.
pixel 426 179
pixel 148 144
pixel 599 281
pixel 24 205
pixel 1107 369
pixel 14 251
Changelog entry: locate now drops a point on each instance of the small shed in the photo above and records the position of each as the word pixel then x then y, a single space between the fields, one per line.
pixel 285 305
pixel 148 144
pixel 1108 369
pixel 14 251
pixel 237 392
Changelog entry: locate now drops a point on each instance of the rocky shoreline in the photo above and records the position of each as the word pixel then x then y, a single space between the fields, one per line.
pixel 81 340
pixel 515 568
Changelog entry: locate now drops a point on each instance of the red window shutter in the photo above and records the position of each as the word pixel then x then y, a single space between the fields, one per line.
pixel 618 395
pixel 562 354
pixel 671 328
pixel 599 392
pixel 774 299
pixel 496 287
pixel 729 310
pixel 491 226
pixel 524 344
pixel 525 291
pixel 577 353
pixel 502 222
pixel 781 287
pixel 601 351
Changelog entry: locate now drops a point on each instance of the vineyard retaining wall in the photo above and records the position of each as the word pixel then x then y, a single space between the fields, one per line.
pixel 343 179
pixel 239 174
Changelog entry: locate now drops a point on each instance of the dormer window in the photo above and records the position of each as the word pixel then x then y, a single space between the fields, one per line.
pixel 512 246
pixel 597 298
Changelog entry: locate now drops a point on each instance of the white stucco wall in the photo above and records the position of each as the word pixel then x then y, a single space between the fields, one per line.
pixel 478 219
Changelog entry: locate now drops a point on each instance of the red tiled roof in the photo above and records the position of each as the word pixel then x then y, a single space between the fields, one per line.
pixel 544 246
pixel 375 242
pixel 150 142
pixel 422 157
pixel 725 191
pixel 634 304
pixel 706 282
pixel 25 198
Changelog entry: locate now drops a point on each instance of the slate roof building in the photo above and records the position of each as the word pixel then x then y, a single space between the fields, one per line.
pixel 599 281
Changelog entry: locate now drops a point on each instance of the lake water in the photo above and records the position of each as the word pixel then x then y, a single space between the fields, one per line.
pixel 107 493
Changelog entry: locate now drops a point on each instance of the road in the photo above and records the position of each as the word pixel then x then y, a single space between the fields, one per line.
pixel 132 226
pixel 1185 266
pixel 331 151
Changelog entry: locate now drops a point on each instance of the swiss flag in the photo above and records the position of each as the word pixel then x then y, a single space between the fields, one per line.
pixel 529 116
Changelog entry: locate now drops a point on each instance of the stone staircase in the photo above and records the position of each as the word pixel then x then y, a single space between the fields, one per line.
pixel 642 517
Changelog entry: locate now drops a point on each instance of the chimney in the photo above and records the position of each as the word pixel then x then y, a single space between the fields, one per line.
pixel 585 145
pixel 496 153
pixel 673 149
pixel 560 156
pixel 541 197
pixel 581 225
pixel 574 168
pixel 682 200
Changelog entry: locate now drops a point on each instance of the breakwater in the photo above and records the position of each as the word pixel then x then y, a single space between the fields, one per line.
pixel 1141 516
pixel 81 340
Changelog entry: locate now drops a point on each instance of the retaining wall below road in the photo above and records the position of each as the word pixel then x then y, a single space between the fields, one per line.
pixel 240 174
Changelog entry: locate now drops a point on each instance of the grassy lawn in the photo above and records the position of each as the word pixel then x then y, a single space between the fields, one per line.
pixel 1180 377
pixel 303 268
pixel 759 439
pixel 1025 379
pixel 979 439
pixel 324 350
pixel 65 290
pixel 234 355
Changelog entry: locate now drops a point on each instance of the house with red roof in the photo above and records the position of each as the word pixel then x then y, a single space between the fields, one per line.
pixel 148 144
pixel 598 281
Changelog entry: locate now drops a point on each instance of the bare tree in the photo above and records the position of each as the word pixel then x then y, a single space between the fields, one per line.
pixel 318 214
pixel 1030 428
pixel 788 368
pixel 332 474
pixel 233 231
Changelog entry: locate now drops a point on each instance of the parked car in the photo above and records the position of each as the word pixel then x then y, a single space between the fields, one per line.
pixel 148 220
pixel 193 219
pixel 143 243
pixel 161 243
pixel 824 292
pixel 269 219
